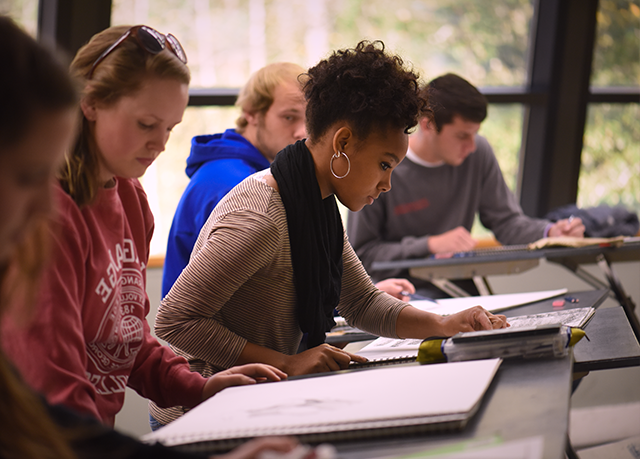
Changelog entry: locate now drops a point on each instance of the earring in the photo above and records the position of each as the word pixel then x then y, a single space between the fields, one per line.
pixel 336 155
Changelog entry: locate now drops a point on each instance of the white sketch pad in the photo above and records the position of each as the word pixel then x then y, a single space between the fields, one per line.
pixel 341 402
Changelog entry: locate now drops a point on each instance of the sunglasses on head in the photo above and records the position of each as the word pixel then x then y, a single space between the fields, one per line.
pixel 148 39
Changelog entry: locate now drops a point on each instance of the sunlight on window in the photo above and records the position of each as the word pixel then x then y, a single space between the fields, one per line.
pixel 610 170
pixel 24 12
pixel 616 56
pixel 484 42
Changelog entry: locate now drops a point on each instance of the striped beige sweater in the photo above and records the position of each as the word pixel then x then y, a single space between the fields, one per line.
pixel 238 287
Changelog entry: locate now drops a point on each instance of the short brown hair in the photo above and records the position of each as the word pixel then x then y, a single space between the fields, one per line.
pixel 451 95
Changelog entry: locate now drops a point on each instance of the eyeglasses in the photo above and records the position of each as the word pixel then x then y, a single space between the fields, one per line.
pixel 148 39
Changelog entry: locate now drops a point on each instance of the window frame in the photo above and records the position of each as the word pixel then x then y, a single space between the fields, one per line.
pixel 555 96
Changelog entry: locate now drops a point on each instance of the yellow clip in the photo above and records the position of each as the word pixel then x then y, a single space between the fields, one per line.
pixel 430 351
pixel 576 335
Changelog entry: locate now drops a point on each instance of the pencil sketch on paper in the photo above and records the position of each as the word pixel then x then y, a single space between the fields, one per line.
pixel 300 407
pixel 577 317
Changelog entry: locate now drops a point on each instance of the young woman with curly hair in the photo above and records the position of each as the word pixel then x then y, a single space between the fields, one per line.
pixel 273 261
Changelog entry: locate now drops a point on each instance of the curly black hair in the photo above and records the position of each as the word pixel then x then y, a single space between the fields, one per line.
pixel 364 86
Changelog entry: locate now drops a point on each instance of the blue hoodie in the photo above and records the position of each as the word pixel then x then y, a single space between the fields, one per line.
pixel 216 164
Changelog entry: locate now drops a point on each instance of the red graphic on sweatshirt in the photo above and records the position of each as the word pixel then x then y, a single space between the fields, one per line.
pixel 409 207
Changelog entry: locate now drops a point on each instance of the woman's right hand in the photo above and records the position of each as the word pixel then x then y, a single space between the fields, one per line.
pixel 473 319
pixel 320 359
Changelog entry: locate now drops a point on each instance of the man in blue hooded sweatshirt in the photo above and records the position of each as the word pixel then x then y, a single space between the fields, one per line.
pixel 272 117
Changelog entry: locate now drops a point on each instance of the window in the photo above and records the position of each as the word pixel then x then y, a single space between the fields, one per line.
pixel 610 163
pixel 616 57
pixel 24 12
pixel 610 169
pixel 503 129
pixel 485 42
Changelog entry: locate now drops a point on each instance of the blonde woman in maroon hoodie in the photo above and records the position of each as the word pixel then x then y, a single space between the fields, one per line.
pixel 90 339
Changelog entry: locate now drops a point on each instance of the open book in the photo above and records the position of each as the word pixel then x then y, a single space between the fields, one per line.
pixel 352 405
pixel 568 241
pixel 576 317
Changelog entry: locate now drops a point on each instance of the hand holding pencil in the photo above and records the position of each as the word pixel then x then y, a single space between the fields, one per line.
pixel 571 226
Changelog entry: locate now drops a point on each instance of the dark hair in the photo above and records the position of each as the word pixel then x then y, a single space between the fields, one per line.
pixel 31 81
pixel 365 87
pixel 450 95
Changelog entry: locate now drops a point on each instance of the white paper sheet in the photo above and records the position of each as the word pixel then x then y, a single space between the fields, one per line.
pixel 340 402
pixel 493 303
pixel 390 348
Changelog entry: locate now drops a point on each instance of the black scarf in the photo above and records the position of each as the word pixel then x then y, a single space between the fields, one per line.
pixel 316 239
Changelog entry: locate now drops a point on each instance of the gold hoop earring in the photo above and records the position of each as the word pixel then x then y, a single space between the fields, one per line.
pixel 337 155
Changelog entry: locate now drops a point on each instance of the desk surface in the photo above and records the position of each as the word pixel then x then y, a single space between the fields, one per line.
pixel 526 399
pixel 508 261
pixel 629 251
pixel 612 341
pixel 586 299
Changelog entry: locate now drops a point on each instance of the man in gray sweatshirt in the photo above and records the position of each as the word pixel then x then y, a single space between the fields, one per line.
pixel 450 173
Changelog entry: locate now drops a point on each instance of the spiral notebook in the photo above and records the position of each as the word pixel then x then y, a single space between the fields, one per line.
pixel 335 407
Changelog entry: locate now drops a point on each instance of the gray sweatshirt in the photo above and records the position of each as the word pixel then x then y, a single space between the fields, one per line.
pixel 427 201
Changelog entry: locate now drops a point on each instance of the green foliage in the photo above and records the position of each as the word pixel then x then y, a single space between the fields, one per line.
pixel 485 42
pixel 610 163
pixel 610 170
pixel 616 59
pixel 503 129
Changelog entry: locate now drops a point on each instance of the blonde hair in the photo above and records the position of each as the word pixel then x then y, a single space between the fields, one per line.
pixel 120 74
pixel 257 95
